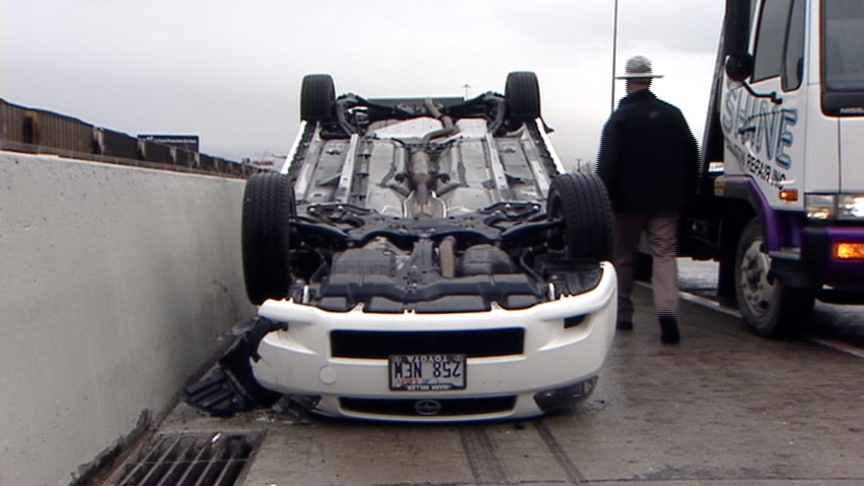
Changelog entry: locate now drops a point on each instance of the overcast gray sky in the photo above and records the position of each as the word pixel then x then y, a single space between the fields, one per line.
pixel 230 70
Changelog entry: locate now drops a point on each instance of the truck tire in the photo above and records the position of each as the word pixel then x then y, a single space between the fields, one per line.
pixel 317 97
pixel 769 308
pixel 523 96
pixel 581 201
pixel 268 207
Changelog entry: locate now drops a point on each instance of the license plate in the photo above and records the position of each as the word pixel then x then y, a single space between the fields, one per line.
pixel 427 372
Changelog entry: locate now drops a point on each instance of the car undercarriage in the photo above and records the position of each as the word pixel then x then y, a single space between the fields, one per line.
pixel 404 230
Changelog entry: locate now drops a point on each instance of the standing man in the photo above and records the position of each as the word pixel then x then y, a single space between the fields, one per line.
pixel 648 161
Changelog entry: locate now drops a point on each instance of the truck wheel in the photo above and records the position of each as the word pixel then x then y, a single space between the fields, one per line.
pixel 268 207
pixel 317 97
pixel 523 96
pixel 769 308
pixel 581 201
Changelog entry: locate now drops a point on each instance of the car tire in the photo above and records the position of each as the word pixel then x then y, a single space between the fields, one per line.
pixel 268 207
pixel 317 97
pixel 769 308
pixel 581 201
pixel 523 96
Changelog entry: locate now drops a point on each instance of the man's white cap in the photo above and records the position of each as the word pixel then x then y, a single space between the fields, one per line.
pixel 638 67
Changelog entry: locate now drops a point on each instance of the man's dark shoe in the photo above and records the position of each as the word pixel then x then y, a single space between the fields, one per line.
pixel 624 325
pixel 669 330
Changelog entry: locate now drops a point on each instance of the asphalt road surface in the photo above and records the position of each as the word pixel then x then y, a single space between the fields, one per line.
pixel 833 325
pixel 723 408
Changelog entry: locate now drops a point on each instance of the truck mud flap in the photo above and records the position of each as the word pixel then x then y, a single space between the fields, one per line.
pixel 230 387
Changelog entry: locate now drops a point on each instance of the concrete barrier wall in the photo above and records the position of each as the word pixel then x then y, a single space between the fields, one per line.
pixel 115 286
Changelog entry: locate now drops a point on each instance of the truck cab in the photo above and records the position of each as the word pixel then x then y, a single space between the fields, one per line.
pixel 781 194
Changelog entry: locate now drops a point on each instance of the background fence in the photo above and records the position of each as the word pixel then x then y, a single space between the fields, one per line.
pixel 45 132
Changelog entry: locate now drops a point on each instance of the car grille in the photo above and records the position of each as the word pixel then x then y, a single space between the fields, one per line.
pixel 381 344
pixel 415 407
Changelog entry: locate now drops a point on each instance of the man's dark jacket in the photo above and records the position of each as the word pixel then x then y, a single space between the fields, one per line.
pixel 648 157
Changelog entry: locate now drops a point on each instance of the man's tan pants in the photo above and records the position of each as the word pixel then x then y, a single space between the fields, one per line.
pixel 661 229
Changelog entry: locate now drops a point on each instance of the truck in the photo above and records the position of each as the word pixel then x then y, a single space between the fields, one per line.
pixel 780 197
pixel 421 259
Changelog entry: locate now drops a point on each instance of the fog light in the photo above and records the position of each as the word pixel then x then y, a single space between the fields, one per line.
pixel 849 251
pixel 564 398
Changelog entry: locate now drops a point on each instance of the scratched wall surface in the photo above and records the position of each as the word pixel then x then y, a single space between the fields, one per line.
pixel 117 284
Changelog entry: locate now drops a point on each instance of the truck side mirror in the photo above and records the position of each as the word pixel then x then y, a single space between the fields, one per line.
pixel 736 36
pixel 739 68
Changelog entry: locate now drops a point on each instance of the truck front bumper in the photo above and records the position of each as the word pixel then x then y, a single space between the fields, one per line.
pixel 823 257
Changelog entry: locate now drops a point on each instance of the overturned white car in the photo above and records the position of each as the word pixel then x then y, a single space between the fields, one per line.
pixel 423 260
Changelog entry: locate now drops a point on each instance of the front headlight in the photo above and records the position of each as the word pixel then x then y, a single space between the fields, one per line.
pixel 834 206
pixel 850 206
pixel 820 206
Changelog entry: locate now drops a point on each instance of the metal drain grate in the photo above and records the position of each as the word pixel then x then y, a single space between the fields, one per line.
pixel 188 460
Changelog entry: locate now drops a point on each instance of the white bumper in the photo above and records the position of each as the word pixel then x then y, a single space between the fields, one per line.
pixel 299 362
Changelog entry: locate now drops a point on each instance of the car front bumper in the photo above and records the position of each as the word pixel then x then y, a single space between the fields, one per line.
pixel 559 359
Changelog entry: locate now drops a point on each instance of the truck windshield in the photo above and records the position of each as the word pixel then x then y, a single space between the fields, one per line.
pixel 843 55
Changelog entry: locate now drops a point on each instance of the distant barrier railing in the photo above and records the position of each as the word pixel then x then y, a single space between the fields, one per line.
pixel 38 131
